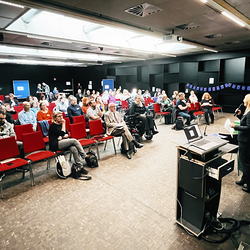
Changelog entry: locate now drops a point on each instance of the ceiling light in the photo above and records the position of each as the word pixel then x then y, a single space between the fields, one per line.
pixel 233 18
pixel 215 51
pixel 204 1
pixel 12 4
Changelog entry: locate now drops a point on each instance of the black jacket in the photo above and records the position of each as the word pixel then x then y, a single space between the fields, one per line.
pixel 244 129
pixel 136 109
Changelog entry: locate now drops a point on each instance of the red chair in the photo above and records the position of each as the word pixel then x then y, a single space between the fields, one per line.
pixel 45 138
pixel 51 106
pixel 22 129
pixel 198 113
pixel 67 123
pixel 8 152
pixel 216 107
pixel 125 105
pixel 34 148
pixel 14 116
pixel 78 132
pixel 18 108
pixel 1 97
pixel 98 134
pixel 157 109
pixel 79 119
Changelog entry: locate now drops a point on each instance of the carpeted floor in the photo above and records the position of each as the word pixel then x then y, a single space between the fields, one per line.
pixel 128 204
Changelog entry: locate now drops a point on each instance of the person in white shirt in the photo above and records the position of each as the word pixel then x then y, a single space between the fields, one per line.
pixel 193 98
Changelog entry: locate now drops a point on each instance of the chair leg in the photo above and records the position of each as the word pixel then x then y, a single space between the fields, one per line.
pixel 97 151
pixel 105 145
pixel 48 164
pixel 1 190
pixel 119 141
pixel 114 145
pixel 32 180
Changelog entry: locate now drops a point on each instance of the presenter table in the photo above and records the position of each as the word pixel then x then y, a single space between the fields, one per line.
pixel 199 182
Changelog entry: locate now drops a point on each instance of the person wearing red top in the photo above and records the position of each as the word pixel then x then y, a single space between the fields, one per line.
pixel 44 113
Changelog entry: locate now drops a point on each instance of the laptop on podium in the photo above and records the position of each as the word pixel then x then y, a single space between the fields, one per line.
pixel 196 139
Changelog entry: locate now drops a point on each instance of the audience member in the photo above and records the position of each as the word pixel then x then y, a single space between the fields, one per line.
pixel 182 106
pixel 44 113
pixel 113 119
pixel 74 110
pixel 43 99
pixel 207 105
pixel 6 128
pixel 88 94
pixel 137 107
pixel 125 95
pixel 100 104
pixel 34 107
pixel 146 94
pixel 79 96
pixel 166 106
pixel 61 104
pixel 175 96
pixel 9 112
pixel 12 101
pixel 27 116
pixel 105 97
pixel 85 104
pixel 59 140
pixel 112 97
pixel 193 98
pixel 93 112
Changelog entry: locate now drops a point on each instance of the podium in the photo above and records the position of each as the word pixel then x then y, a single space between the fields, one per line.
pixel 199 182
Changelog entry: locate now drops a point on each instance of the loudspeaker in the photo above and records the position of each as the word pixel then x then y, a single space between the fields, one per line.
pixel 1 37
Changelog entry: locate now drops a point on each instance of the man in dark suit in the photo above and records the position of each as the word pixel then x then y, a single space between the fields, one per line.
pixel 113 119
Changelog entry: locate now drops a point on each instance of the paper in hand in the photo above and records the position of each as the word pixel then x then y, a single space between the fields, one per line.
pixel 228 128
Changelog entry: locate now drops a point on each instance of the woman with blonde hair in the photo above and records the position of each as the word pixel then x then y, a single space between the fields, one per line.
pixel 207 104
pixel 244 145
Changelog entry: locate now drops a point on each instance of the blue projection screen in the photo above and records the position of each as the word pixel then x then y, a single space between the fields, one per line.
pixel 21 89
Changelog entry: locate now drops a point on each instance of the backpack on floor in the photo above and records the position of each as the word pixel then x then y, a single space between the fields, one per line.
pixel 179 123
pixel 63 168
pixel 91 159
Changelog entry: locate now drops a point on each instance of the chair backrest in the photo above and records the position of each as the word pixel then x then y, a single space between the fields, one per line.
pixel 96 127
pixel 157 107
pixel 33 142
pixel 1 97
pixel 124 104
pixel 67 123
pixel 15 116
pixel 22 129
pixel 192 106
pixel 79 119
pixel 198 106
pixel 78 130
pixel 18 108
pixel 8 148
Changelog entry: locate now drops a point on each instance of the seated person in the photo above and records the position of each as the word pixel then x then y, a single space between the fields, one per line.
pixel 166 106
pixel 137 107
pixel 193 98
pixel 34 107
pixel 100 104
pixel 112 119
pixel 74 110
pixel 207 104
pixel 27 116
pixel 181 107
pixel 9 112
pixel 12 101
pixel 85 104
pixel 93 112
pixel 62 104
pixel 44 113
pixel 59 140
pixel 43 99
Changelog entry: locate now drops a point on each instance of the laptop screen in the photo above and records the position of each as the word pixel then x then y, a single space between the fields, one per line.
pixel 192 133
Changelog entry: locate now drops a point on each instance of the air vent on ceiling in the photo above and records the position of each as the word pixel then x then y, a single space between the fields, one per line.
pixel 232 43
pixel 187 26
pixel 214 36
pixel 142 10
pixel 47 44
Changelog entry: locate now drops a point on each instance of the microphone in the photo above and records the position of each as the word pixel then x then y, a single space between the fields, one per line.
pixel 205 130
pixel 237 110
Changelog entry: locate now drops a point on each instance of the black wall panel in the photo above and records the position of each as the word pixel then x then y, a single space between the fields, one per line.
pixel 188 72
pixel 234 70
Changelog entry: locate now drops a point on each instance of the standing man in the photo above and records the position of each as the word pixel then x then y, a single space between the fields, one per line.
pixel 181 106
pixel 74 109
pixel 27 116
pixel 79 96
pixel 113 119
pixel 46 90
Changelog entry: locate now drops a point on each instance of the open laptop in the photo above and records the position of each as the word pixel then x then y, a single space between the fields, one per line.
pixel 196 139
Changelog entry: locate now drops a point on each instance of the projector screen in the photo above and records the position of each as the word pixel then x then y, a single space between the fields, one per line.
pixel 21 89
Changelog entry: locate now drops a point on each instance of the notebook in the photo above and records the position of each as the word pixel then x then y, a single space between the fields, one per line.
pixel 196 139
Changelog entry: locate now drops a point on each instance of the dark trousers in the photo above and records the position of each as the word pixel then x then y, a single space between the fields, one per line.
pixel 147 123
pixel 244 149
pixel 208 112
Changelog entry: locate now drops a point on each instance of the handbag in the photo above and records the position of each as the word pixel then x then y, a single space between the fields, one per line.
pixel 118 131
pixel 91 159
pixel 63 168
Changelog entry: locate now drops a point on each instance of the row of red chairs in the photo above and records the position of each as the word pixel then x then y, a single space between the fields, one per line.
pixel 35 149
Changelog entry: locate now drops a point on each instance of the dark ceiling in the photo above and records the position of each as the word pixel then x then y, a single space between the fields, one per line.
pixel 195 21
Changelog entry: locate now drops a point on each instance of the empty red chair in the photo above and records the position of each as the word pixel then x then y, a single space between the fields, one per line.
pixel 34 148
pixel 18 108
pixel 8 153
pixel 98 134
pixel 125 105
pixel 79 119
pixel 22 129
pixel 157 109
pixel 78 131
